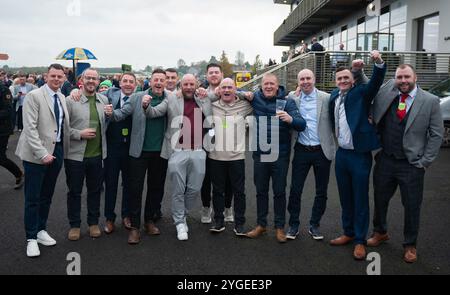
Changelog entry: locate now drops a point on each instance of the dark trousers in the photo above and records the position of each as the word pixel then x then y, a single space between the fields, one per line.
pixel 301 164
pixel 156 169
pixel 76 172
pixel 117 162
pixel 263 172
pixel 206 188
pixel 40 181
pixel 352 175
pixel 390 173
pixel 4 161
pixel 220 172
pixel 20 118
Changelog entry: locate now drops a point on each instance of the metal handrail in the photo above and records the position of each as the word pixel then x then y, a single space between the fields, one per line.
pixel 432 67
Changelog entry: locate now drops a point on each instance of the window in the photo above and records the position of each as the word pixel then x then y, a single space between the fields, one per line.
pixel 399 35
pixel 398 13
pixel 352 32
pixel 428 34
pixel 385 19
pixel 361 25
pixel 351 45
pixel 372 25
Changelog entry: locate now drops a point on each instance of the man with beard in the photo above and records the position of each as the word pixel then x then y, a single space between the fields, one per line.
pixel 87 151
pixel 411 128
pixel 183 147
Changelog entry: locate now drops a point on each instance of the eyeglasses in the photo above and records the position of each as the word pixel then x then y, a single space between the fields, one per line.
pixel 87 78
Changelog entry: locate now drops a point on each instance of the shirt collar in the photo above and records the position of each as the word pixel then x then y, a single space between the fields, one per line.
pixel 313 94
pixel 222 103
pixel 50 91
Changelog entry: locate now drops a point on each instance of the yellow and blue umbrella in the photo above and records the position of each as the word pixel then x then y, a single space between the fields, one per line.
pixel 76 54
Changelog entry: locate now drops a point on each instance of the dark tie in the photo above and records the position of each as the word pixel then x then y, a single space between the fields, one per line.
pixel 401 110
pixel 56 109
pixel 125 98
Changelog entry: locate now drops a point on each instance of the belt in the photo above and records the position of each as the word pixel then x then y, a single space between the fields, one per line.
pixel 310 148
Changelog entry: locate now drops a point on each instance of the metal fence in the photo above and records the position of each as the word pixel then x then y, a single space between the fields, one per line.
pixel 431 67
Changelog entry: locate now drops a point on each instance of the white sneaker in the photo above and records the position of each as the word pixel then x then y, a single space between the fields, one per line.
pixel 33 248
pixel 182 234
pixel 44 238
pixel 206 214
pixel 228 214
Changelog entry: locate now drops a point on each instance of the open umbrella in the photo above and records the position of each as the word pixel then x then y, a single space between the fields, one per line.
pixel 76 54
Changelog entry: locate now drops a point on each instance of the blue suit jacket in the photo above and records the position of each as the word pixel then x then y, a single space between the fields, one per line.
pixel 357 106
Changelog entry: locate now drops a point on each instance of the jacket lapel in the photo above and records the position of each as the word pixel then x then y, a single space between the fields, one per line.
pixel 49 101
pixel 415 108
pixel 319 105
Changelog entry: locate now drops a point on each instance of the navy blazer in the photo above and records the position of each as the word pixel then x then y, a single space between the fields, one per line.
pixel 357 107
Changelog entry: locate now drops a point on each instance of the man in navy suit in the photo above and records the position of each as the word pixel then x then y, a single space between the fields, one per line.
pixel 356 136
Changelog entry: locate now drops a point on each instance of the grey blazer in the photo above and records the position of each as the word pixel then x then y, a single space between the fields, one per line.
pixel 133 107
pixel 424 129
pixel 79 120
pixel 326 135
pixel 173 107
pixel 38 138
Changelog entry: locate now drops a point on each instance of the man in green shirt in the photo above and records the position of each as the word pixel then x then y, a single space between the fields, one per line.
pixel 86 153
pixel 145 149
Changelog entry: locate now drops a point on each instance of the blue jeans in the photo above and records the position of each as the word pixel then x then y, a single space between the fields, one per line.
pixel 76 171
pixel 301 164
pixel 352 175
pixel 40 181
pixel 263 172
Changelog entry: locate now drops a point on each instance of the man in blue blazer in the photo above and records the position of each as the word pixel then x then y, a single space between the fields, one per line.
pixel 356 136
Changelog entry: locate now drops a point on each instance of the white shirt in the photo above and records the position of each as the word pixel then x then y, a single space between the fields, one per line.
pixel 52 93
pixel 343 132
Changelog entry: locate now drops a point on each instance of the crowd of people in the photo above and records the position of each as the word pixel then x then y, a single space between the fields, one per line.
pixel 195 139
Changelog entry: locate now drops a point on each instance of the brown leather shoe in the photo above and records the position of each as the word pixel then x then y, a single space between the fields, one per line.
pixel 410 255
pixel 74 234
pixel 94 231
pixel 256 232
pixel 281 235
pixel 359 253
pixel 126 221
pixel 151 229
pixel 134 237
pixel 109 227
pixel 342 240
pixel 377 239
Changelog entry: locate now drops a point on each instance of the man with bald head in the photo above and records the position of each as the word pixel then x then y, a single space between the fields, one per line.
pixel 314 147
pixel 227 157
pixel 183 147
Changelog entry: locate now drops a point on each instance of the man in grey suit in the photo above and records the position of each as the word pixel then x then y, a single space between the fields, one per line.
pixel 182 146
pixel 314 147
pixel 145 156
pixel 42 146
pixel 410 126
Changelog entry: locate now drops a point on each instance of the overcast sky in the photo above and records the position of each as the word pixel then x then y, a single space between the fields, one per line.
pixel 139 32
